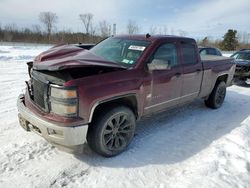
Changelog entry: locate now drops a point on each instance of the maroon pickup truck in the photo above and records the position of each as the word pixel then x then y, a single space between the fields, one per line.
pixel 97 95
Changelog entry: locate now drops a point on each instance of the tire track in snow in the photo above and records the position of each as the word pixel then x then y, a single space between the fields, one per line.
pixel 24 153
pixel 71 177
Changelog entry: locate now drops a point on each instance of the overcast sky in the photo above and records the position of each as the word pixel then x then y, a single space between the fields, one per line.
pixel 198 18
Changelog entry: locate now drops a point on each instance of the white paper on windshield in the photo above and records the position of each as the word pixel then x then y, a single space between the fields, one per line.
pixel 127 61
pixel 139 48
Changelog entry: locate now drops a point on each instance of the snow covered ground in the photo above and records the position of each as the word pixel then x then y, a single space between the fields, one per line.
pixel 192 146
pixel 227 53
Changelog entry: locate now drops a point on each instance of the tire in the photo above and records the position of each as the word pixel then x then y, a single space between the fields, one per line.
pixel 112 131
pixel 216 98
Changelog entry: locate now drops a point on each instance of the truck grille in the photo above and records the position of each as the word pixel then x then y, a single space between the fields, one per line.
pixel 242 69
pixel 39 93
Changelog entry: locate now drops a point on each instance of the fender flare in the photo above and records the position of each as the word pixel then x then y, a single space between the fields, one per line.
pixel 96 104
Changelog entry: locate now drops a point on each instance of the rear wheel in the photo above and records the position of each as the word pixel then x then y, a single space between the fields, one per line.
pixel 112 131
pixel 216 98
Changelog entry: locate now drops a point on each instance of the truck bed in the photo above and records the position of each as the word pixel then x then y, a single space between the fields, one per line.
pixel 213 67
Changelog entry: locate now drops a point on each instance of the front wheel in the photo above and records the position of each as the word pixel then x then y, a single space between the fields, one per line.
pixel 216 98
pixel 112 131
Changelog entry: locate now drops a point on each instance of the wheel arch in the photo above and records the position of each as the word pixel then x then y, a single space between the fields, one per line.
pixel 223 77
pixel 128 100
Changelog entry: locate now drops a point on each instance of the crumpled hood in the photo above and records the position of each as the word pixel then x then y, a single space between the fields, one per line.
pixel 242 62
pixel 69 56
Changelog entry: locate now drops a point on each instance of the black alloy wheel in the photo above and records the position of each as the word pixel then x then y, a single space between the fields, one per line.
pixel 112 132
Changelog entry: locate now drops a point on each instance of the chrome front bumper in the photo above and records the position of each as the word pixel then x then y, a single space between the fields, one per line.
pixel 68 137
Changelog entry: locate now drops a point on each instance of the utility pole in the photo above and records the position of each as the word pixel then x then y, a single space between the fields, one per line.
pixel 114 29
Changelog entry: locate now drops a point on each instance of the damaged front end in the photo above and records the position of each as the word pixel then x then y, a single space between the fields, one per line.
pixel 49 107
pixel 53 68
pixel 43 83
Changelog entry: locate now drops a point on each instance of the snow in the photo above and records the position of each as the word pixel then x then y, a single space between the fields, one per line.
pixel 20 51
pixel 191 146
pixel 227 53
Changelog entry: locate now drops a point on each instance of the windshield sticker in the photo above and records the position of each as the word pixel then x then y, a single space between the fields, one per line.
pixel 127 61
pixel 139 48
pixel 131 62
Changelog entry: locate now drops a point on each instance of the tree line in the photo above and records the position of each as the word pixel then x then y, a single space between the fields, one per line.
pixel 92 33
pixel 232 40
pixel 46 32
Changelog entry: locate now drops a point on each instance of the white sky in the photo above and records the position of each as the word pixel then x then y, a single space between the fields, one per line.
pixel 198 18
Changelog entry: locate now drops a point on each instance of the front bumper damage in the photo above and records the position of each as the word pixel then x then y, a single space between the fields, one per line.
pixel 70 138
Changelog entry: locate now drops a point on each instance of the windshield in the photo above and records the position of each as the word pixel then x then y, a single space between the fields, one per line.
pixel 121 51
pixel 241 55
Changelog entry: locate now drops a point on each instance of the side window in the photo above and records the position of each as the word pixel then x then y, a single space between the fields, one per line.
pixel 211 51
pixel 218 52
pixel 166 53
pixel 203 52
pixel 189 53
pixel 235 56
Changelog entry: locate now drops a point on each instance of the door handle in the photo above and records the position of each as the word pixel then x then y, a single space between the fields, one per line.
pixel 177 74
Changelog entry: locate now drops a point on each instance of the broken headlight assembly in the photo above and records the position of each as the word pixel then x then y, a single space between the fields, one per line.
pixel 64 100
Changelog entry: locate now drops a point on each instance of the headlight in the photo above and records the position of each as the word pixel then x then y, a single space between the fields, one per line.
pixel 63 109
pixel 62 93
pixel 63 101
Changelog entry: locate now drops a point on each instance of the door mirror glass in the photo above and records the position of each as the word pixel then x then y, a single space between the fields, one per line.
pixel 158 64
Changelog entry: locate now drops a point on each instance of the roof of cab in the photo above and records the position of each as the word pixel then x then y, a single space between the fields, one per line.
pixel 153 37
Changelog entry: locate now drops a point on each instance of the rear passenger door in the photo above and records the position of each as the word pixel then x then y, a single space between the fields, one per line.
pixel 192 71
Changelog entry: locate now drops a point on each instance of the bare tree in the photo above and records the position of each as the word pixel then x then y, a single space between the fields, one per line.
pixel 104 28
pixel 48 19
pixel 205 41
pixel 9 32
pixel 11 27
pixel 182 33
pixel 243 37
pixel 153 30
pixel 92 30
pixel 165 30
pixel 132 27
pixel 172 31
pixel 36 28
pixel 162 30
pixel 87 21
pixel 26 30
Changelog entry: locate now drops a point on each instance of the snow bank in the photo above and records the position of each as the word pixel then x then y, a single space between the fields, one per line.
pixel 227 53
pixel 20 52
pixel 192 146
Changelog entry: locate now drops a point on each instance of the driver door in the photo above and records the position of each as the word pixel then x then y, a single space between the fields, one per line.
pixel 166 83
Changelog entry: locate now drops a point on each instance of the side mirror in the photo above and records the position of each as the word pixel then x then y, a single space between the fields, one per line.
pixel 158 64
